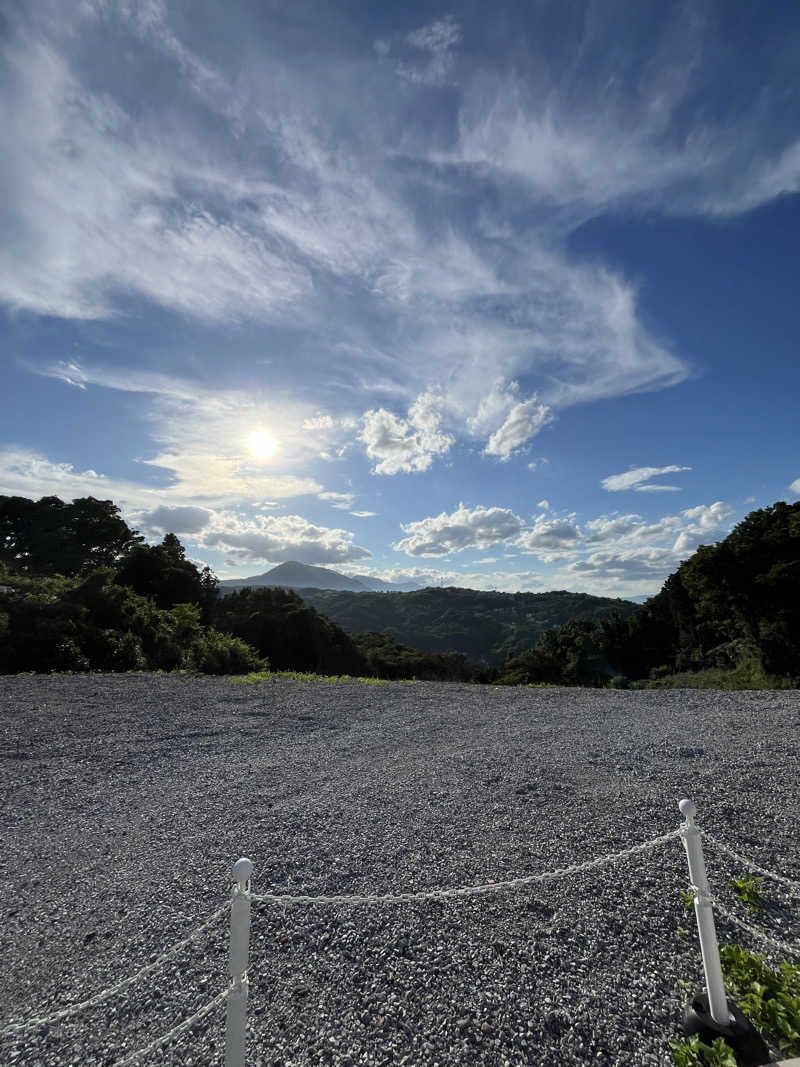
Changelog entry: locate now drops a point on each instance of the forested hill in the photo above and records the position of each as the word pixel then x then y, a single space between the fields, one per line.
pixel 732 608
pixel 484 626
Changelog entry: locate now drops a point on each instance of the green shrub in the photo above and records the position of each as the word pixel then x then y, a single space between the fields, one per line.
pixel 303 676
pixel 696 1053
pixel 748 889
pixel 770 999
pixel 126 653
pixel 217 653
pixel 68 657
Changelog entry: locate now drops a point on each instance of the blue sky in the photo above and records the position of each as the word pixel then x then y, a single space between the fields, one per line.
pixel 503 298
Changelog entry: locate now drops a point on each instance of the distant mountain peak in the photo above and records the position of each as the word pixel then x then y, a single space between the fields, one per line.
pixel 294 575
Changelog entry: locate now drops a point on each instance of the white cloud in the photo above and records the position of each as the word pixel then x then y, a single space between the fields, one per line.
pixel 550 537
pixel 502 581
pixel 618 572
pixel 544 505
pixel 611 527
pixel 438 39
pixel 108 208
pixel 523 422
pixel 405 444
pixel 795 487
pixel 344 501
pixel 363 514
pixel 319 422
pixel 278 538
pixel 95 204
pixel 200 435
pixel 178 520
pixel 478 527
pixel 583 138
pixel 636 478
pixel 200 478
pixel 702 520
pixel 27 473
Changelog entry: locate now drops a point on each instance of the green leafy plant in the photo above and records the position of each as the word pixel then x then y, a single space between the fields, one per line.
pixel 255 677
pixel 748 889
pixel 687 897
pixel 696 1053
pixel 770 999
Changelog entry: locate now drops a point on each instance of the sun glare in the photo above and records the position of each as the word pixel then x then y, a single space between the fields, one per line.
pixel 262 444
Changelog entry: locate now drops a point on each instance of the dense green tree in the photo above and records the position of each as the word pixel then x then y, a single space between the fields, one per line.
pixel 62 624
pixel 291 635
pixel 385 658
pixel 163 573
pixel 209 594
pixel 484 626
pixel 48 536
pixel 733 603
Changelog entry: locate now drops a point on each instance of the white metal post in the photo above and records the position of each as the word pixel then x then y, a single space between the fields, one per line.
pixel 717 1001
pixel 236 1020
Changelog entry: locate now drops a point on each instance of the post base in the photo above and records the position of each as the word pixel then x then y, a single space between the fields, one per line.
pixel 747 1043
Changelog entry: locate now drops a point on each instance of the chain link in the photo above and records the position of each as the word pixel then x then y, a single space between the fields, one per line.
pixel 784 946
pixel 749 863
pixel 462 891
pixel 179 1029
pixel 106 994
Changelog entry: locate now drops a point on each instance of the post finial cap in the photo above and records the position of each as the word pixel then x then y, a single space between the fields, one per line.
pixel 242 870
pixel 688 809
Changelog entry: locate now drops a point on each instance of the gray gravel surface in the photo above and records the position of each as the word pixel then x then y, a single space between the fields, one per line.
pixel 126 799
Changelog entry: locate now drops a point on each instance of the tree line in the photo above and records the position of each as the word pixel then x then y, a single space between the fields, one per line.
pixel 80 590
pixel 486 626
pixel 731 607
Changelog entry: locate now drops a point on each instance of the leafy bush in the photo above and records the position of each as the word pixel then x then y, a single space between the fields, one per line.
pixel 300 676
pixel 58 624
pixel 696 1053
pixel 216 653
pixel 770 999
pixel 126 653
pixel 748 889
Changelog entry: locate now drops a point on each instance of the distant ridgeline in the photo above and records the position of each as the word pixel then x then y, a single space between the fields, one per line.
pixel 484 626
pixel 79 590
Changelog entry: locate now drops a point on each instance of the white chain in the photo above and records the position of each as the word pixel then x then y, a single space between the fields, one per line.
pixel 463 891
pixel 179 1029
pixel 749 863
pixel 106 994
pixel 784 946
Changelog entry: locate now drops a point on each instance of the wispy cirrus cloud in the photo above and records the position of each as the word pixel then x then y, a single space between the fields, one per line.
pixel 112 202
pixel 197 433
pixel 436 41
pixel 194 478
pixel 392 268
pixel 638 479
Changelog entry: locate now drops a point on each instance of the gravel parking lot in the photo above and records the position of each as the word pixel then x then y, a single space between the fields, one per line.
pixel 127 798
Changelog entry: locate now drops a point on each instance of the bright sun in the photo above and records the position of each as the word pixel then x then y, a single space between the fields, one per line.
pixel 262 444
